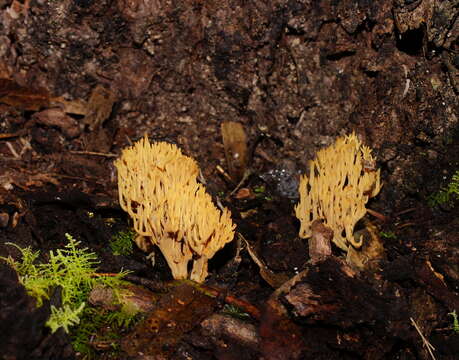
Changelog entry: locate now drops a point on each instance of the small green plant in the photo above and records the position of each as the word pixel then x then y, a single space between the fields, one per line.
pixel 235 312
pixel 455 321
pixel 260 193
pixel 387 235
pixel 73 269
pixel 259 189
pixel 446 195
pixel 64 317
pixel 121 243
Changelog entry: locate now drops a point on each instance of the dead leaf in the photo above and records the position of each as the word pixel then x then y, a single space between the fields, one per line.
pixel 235 144
pixel 99 107
pixel 245 193
pixel 273 279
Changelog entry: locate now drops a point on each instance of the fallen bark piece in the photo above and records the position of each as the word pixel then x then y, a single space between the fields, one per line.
pixel 333 296
pixel 281 338
pixel 331 292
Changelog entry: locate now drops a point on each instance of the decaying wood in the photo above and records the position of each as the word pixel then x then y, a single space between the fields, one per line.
pixel 281 338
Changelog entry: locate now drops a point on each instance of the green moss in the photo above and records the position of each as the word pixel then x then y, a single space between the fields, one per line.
pixel 455 321
pixel 99 326
pixel 64 317
pixel 259 189
pixel 121 243
pixel 387 235
pixel 72 269
pixel 447 194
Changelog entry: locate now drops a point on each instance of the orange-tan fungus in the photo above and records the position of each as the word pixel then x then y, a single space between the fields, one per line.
pixel 341 179
pixel 158 188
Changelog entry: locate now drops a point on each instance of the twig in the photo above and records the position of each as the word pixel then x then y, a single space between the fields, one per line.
pixel 246 175
pixel 378 215
pixel 406 225
pixel 425 342
pixel 223 173
pixel 12 150
pixel 406 211
pixel 93 153
pixel 229 299
pixel 273 279
pixel 76 178
pixel 13 135
pixel 157 286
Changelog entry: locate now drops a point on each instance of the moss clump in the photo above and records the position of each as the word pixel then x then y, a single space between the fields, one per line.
pixel 100 329
pixel 446 195
pixel 72 269
pixel 455 321
pixel 121 243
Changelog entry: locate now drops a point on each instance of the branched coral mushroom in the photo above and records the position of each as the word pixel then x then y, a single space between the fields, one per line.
pixel 341 179
pixel 158 188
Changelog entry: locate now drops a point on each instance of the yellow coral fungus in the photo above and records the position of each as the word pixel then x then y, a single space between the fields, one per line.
pixel 158 188
pixel 341 179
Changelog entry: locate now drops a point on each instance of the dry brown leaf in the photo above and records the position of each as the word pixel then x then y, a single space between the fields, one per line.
pixel 235 144
pixel 273 279
pixel 99 107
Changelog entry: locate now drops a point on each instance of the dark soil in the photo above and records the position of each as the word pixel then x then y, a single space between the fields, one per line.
pixel 80 80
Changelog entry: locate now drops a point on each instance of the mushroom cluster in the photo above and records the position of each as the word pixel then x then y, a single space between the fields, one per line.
pixel 341 179
pixel 158 188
